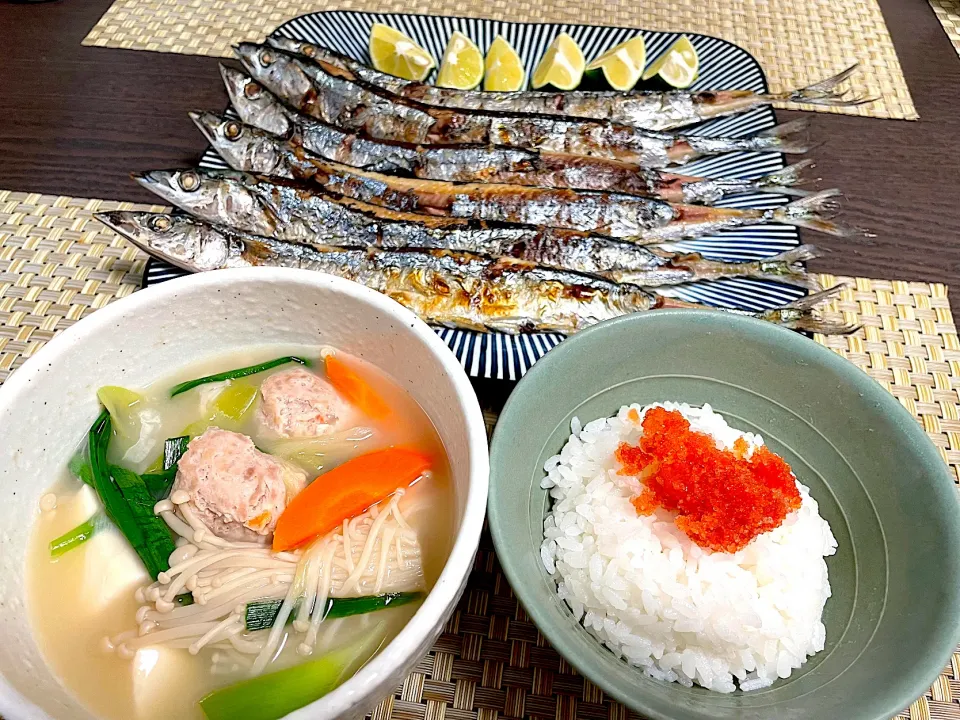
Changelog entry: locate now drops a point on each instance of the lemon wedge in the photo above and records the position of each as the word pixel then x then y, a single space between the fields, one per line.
pixel 620 66
pixel 462 64
pixel 393 52
pixel 678 66
pixel 561 66
pixel 505 72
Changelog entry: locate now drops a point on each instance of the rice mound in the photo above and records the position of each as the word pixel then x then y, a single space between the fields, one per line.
pixel 680 612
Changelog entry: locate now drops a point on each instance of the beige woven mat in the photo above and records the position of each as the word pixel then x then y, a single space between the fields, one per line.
pixel 797 42
pixel 948 13
pixel 57 264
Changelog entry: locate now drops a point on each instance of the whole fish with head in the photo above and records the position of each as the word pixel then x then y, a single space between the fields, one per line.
pixel 613 214
pixel 287 212
pixel 339 98
pixel 443 287
pixel 641 109
pixel 259 108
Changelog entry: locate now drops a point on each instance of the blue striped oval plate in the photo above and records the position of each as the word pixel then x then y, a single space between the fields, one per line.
pixel 723 66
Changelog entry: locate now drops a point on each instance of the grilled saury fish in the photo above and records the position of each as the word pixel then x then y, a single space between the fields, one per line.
pixel 284 211
pixel 613 214
pixel 641 109
pixel 443 287
pixel 258 107
pixel 339 98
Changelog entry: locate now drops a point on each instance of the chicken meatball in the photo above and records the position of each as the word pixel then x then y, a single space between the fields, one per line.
pixel 298 404
pixel 236 490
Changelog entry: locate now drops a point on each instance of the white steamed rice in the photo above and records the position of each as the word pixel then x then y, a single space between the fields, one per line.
pixel 680 612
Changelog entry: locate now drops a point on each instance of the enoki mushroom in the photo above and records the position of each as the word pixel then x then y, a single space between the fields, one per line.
pixel 373 553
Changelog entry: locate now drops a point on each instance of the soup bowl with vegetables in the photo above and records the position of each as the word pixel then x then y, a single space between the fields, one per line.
pixel 242 494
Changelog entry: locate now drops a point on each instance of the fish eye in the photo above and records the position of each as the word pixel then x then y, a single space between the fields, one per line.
pixel 159 223
pixel 251 90
pixel 232 130
pixel 266 58
pixel 308 50
pixel 188 181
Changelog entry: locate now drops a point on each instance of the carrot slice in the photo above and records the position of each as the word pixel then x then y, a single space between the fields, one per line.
pixel 357 390
pixel 346 491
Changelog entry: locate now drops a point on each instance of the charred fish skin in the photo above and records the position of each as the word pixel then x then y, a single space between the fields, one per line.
pixel 290 213
pixel 641 109
pixel 334 100
pixel 545 246
pixel 617 215
pixel 255 105
pixel 443 287
pixel 458 163
pixel 302 213
pixel 177 242
pixel 250 149
pixel 238 200
pixel 461 290
pixel 339 98
pixel 453 163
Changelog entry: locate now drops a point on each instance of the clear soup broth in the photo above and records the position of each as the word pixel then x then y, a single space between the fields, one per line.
pixel 129 647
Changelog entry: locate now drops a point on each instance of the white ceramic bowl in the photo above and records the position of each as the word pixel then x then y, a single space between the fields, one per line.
pixel 49 403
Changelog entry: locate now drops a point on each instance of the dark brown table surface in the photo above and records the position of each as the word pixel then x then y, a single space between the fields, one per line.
pixel 76 120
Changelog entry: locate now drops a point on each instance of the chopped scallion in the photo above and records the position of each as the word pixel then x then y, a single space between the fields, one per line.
pixel 238 373
pixel 79 535
pixel 262 614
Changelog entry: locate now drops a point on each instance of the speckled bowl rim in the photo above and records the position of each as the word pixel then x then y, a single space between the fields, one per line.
pixel 441 600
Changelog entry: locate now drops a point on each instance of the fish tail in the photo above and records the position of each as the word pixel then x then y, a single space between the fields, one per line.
pixel 782 181
pixel 814 213
pixel 786 268
pixel 825 92
pixel 792 138
pixel 801 315
pixel 779 182
pixel 807 302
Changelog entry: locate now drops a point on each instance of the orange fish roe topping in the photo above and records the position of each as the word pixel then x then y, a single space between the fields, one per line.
pixel 723 500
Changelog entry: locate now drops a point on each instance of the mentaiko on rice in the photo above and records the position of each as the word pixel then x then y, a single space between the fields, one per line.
pixel 682 611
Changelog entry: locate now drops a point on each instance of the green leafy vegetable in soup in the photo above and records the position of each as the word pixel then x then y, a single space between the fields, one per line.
pixel 171 508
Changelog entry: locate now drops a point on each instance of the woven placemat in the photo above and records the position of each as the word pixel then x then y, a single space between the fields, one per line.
pixel 948 13
pixel 58 264
pixel 797 42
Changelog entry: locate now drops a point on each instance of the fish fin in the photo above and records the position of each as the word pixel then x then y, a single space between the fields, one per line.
pixel 786 268
pixel 799 254
pixel 825 92
pixel 814 213
pixel 783 268
pixel 829 85
pixel 781 180
pixel 791 137
pixel 799 315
